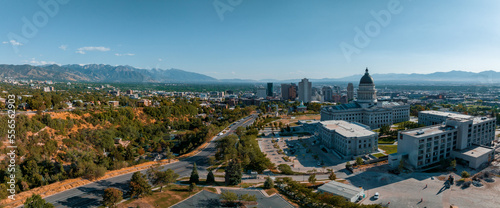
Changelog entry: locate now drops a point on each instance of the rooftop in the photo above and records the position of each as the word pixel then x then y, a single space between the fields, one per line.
pixel 355 105
pixel 476 151
pixel 347 129
pixel 453 115
pixel 428 130
pixel 385 104
pixel 457 116
pixel 344 106
pixel 482 119
pixel 341 189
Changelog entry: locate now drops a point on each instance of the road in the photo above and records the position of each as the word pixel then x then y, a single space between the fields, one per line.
pixel 90 195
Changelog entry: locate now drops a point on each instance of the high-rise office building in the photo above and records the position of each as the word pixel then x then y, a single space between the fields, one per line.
pixel 285 91
pixel 336 89
pixel 269 91
pixel 292 91
pixel 350 91
pixel 305 91
pixel 289 91
pixel 261 92
pixel 327 93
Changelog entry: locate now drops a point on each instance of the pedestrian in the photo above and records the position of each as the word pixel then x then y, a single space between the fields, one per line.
pixel 421 199
pixel 425 185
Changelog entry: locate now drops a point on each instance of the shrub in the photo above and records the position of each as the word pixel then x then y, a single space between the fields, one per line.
pixel 465 174
pixel 269 183
pixel 359 161
pixel 332 176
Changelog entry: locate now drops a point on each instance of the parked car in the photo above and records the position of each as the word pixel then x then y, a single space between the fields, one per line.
pixel 376 196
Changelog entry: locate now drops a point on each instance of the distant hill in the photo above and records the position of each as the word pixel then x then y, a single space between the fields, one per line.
pixel 484 77
pixel 129 74
pixel 453 77
pixel 101 73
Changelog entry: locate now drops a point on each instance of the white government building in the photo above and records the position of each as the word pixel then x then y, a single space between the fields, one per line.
pixel 451 135
pixel 346 138
pixel 366 109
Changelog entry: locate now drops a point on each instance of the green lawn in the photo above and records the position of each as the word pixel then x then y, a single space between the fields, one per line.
pixel 378 155
pixel 385 142
pixel 389 149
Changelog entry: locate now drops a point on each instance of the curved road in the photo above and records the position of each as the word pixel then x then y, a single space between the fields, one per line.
pixel 90 195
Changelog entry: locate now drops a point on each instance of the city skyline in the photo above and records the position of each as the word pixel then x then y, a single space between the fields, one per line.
pixel 250 39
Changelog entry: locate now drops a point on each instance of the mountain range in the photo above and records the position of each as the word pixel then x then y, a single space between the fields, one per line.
pixel 129 74
pixel 101 73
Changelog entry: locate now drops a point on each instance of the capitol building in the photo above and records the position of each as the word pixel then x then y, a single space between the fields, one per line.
pixel 366 110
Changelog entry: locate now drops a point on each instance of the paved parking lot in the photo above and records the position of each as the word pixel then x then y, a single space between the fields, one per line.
pixel 408 190
pixel 304 153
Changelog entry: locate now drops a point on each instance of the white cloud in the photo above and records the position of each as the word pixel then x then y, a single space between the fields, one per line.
pixel 63 47
pixel 33 61
pixel 124 54
pixel 83 50
pixel 160 59
pixel 13 42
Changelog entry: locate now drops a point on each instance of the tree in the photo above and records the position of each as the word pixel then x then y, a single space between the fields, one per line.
pixel 151 172
pixel 168 154
pixel 384 130
pixel 269 183
pixel 3 191
pixel 348 165
pixel 111 197
pixel 465 174
pixel 139 185
pixel 162 178
pixel 192 187
pixel 332 176
pixel 453 164
pixel 312 178
pixel 285 169
pixel 36 201
pixel 239 131
pixel 195 178
pixel 210 177
pixel 233 173
pixel 359 161
pixel 94 172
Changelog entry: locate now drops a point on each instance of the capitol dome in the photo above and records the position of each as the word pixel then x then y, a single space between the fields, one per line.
pixel 366 79
pixel 367 94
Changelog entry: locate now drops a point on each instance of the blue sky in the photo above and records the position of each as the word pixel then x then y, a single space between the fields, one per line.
pixel 256 39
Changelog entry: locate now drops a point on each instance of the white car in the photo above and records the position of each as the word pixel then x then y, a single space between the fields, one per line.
pixel 376 196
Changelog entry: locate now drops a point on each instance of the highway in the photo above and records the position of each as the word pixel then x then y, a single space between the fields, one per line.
pixel 90 195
